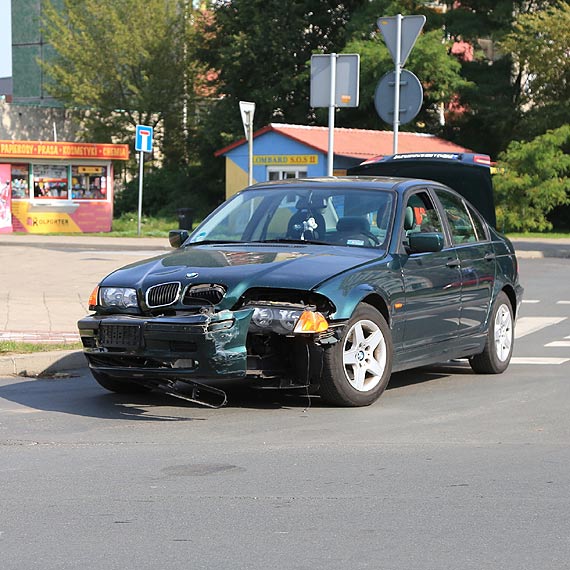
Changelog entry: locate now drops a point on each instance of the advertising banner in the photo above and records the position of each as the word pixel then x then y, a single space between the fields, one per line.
pixel 5 199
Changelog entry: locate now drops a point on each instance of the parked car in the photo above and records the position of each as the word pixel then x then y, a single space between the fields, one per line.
pixel 328 285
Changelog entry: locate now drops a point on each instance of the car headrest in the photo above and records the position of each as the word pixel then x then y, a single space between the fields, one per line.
pixel 313 204
pixel 353 224
pixel 409 218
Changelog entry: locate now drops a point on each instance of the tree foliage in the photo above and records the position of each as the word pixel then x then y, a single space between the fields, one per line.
pixel 539 45
pixel 534 179
pixel 126 62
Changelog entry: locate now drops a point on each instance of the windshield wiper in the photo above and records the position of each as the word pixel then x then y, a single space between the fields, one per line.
pixel 291 240
pixel 211 241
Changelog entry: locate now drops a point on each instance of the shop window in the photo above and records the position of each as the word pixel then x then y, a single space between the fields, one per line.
pixel 20 181
pixel 89 182
pixel 50 181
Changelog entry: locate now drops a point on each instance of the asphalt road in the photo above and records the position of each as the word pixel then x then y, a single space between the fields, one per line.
pixel 448 470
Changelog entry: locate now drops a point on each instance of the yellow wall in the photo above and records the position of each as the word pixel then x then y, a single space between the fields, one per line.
pixel 236 178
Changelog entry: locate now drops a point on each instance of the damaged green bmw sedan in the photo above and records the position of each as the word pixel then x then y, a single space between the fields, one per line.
pixel 329 285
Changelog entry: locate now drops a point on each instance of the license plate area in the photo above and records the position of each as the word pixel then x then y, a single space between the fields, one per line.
pixel 119 336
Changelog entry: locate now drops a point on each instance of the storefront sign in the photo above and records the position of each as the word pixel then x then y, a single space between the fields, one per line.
pixel 54 217
pixel 64 150
pixel 285 159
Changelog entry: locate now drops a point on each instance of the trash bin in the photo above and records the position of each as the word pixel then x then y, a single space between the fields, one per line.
pixel 185 218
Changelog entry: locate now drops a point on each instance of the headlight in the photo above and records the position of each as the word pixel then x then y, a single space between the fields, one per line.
pixel 122 297
pixel 287 321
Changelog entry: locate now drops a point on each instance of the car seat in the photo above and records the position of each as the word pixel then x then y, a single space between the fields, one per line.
pixel 353 225
pixel 305 211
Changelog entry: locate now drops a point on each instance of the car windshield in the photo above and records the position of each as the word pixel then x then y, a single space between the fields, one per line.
pixel 339 216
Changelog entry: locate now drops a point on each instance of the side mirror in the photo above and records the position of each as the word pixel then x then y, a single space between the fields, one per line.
pixel 424 242
pixel 177 237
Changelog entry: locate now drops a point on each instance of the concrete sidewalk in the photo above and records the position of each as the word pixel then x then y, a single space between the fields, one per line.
pixel 45 282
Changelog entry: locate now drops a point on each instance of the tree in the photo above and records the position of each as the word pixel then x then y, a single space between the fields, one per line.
pixel 539 45
pixel 438 72
pixel 262 49
pixel 123 62
pixel 494 107
pixel 534 179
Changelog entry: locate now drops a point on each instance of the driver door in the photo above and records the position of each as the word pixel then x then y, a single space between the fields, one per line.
pixel 432 280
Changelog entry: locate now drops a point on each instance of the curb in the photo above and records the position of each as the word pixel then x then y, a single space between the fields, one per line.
pixel 42 363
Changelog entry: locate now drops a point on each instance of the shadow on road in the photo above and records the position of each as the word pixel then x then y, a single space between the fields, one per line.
pixel 80 395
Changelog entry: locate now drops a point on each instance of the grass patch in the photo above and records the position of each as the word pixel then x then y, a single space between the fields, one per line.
pixel 15 347
pixel 539 235
pixel 127 226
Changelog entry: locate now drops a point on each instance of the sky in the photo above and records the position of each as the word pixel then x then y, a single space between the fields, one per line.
pixel 5 39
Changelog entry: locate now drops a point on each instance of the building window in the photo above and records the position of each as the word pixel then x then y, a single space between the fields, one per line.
pixel 20 181
pixel 50 181
pixel 284 173
pixel 89 182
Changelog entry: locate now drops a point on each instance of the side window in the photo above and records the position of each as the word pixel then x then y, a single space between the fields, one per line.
pixel 460 220
pixel 421 215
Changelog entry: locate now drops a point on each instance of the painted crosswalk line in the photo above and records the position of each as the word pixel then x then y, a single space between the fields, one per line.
pixel 528 325
pixel 558 344
pixel 538 360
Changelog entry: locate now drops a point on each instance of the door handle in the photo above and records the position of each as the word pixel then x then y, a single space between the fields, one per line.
pixel 453 263
pixel 489 256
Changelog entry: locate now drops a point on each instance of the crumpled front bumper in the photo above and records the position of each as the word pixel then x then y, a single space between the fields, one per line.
pixel 188 345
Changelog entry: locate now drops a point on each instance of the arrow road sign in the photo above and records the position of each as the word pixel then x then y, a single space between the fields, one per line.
pixel 143 138
pixel 411 28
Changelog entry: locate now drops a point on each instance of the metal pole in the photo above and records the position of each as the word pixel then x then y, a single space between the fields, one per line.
pixel 397 70
pixel 140 191
pixel 250 149
pixel 331 115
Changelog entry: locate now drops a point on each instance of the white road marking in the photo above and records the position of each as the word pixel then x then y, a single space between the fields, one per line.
pixel 531 301
pixel 559 344
pixel 563 302
pixel 528 325
pixel 538 360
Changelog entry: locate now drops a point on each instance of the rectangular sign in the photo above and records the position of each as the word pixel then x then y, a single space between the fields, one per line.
pixel 63 150
pixel 346 84
pixel 280 159
pixel 143 138
pixel 5 199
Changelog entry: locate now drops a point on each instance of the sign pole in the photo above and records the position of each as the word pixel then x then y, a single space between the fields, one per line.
pixel 249 148
pixel 397 70
pixel 247 110
pixel 331 115
pixel 140 192
pixel 143 143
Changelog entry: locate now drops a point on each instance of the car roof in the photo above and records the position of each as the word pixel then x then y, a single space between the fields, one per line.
pixel 393 183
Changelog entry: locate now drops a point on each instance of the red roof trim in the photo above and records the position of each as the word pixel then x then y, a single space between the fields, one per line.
pixel 355 143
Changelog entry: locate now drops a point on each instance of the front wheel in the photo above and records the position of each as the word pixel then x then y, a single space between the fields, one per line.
pixel 498 350
pixel 357 368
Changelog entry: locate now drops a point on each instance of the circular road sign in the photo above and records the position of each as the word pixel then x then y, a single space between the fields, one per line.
pixel 411 96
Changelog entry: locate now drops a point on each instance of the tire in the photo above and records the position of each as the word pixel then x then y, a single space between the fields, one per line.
pixel 356 370
pixel 498 350
pixel 118 385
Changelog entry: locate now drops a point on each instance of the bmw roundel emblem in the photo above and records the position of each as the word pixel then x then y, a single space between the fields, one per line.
pixel 191 275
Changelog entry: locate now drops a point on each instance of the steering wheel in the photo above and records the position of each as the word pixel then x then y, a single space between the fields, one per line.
pixel 371 237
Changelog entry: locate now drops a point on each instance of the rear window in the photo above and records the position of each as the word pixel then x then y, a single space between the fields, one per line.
pixel 472 182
